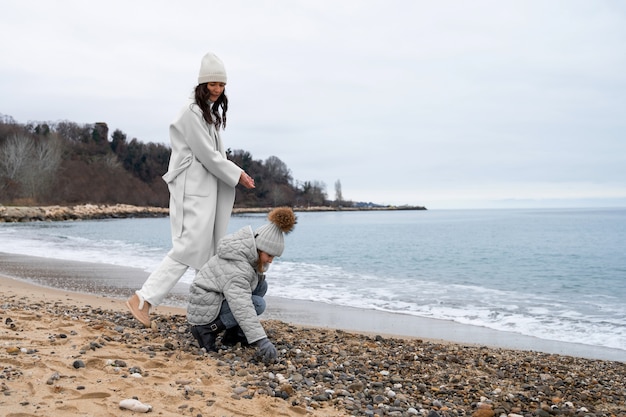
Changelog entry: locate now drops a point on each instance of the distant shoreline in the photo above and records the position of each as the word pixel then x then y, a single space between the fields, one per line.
pixel 18 214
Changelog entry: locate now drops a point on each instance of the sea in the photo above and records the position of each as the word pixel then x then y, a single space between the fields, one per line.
pixel 554 274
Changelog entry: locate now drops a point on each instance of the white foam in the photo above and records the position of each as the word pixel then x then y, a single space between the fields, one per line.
pixel 463 304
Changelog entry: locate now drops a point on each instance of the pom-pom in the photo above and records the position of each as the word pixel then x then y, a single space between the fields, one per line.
pixel 284 218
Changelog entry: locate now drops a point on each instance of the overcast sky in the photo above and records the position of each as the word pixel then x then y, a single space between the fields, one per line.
pixel 446 104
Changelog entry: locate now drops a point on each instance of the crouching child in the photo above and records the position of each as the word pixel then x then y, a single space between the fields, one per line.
pixel 227 293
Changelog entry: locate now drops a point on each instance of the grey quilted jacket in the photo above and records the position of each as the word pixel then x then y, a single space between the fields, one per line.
pixel 230 275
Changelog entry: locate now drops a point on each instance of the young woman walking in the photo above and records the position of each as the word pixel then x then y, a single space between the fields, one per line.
pixel 201 182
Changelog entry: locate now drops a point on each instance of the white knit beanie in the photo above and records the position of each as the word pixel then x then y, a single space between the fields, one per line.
pixel 211 69
pixel 270 238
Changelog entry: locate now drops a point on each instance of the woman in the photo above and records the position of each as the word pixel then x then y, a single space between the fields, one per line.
pixel 201 181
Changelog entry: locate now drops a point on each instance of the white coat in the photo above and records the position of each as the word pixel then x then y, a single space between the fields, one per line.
pixel 201 181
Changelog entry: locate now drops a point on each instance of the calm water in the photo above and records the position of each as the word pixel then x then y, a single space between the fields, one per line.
pixel 554 274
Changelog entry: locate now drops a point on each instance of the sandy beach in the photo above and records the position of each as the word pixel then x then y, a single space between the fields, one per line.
pixel 79 353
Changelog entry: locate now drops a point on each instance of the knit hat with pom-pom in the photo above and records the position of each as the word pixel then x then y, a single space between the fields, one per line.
pixel 270 238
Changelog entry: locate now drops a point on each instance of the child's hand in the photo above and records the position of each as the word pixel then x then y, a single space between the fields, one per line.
pixel 266 350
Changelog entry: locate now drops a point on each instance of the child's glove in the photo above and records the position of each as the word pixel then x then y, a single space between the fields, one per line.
pixel 266 350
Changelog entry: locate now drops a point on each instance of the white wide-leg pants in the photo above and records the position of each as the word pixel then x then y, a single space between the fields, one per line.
pixel 161 281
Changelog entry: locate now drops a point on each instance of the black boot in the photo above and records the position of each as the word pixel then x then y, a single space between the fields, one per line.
pixel 206 334
pixel 233 336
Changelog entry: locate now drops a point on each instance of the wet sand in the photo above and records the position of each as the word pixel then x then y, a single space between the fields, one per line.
pixel 120 282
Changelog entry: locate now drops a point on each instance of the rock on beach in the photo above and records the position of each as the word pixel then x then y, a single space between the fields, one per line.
pixel 319 372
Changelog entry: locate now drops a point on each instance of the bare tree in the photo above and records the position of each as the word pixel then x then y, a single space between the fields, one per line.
pixel 30 163
pixel 277 195
pixel 338 194
pixel 319 193
pixel 14 156
pixel 45 164
pixel 73 131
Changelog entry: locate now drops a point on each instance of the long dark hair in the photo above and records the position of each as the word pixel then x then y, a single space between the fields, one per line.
pixel 212 114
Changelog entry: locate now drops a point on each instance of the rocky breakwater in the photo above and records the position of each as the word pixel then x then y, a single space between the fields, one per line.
pixel 12 214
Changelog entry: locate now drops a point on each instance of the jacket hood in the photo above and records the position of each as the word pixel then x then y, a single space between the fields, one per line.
pixel 239 246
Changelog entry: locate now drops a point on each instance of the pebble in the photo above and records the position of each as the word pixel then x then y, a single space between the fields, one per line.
pixel 365 375
pixel 13 350
pixel 135 405
pixel 240 390
pixel 54 377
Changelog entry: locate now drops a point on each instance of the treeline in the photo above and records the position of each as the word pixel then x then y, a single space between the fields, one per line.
pixel 64 163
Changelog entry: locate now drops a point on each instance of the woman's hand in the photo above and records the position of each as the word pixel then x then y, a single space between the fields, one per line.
pixel 246 180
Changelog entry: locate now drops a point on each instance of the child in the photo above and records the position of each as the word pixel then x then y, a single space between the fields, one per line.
pixel 227 293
